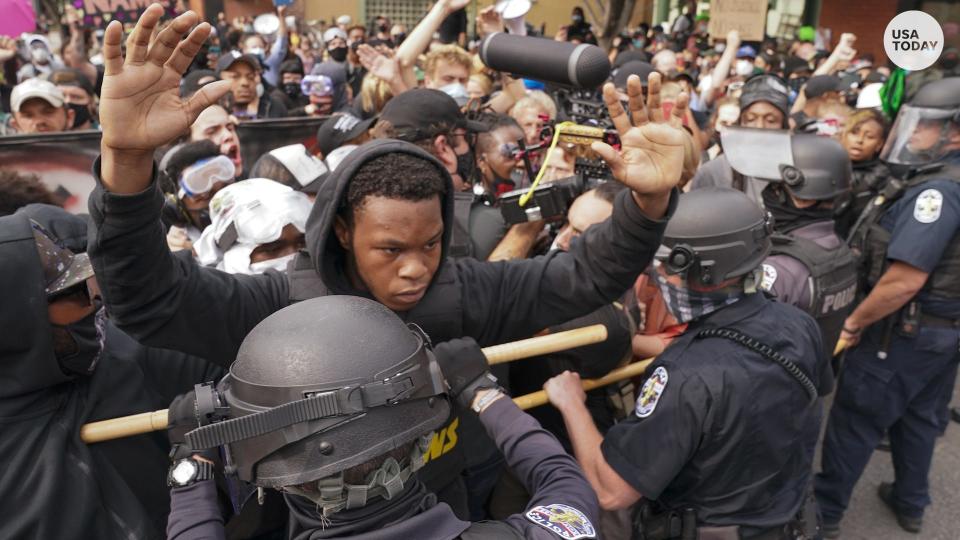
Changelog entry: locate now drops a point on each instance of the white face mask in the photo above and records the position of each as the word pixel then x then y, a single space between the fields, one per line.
pixel 744 67
pixel 457 91
pixel 260 90
pixel 279 264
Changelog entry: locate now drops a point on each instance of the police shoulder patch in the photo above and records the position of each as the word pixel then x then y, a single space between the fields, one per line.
pixel 928 206
pixel 651 392
pixel 563 521
pixel 769 277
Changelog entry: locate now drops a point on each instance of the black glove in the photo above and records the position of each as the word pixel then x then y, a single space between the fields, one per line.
pixel 465 368
pixel 181 418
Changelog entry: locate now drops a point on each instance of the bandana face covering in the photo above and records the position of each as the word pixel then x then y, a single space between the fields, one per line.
pixel 88 334
pixel 687 305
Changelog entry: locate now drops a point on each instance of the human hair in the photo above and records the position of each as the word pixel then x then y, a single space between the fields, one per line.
pixel 485 83
pixel 396 175
pixel 18 190
pixel 495 121
pixel 374 93
pixel 357 27
pixel 452 54
pixel 862 116
pixel 293 65
pixel 384 129
pixel 607 191
pixel 244 37
pixel 546 103
pixel 268 166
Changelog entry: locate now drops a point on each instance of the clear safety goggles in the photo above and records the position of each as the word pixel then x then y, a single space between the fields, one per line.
pixel 317 85
pixel 919 135
pixel 200 177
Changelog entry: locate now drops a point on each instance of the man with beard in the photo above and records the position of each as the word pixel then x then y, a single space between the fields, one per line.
pixel 380 228
pixel 247 99
pixel 39 107
pixel 66 364
pixel 80 97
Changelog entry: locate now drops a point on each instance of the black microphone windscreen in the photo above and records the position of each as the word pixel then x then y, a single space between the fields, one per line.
pixel 560 62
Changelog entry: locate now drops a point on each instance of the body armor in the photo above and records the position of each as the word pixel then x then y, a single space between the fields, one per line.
pixel 832 282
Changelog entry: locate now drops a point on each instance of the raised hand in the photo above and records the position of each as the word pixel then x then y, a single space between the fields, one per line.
pixel 651 155
pixel 489 21
pixel 377 63
pixel 140 104
pixel 8 48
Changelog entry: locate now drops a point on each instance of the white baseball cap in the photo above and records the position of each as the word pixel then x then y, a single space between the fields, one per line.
pixel 35 88
pixel 334 33
pixel 344 20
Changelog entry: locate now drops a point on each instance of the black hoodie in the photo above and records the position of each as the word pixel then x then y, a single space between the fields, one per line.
pixel 56 486
pixel 167 300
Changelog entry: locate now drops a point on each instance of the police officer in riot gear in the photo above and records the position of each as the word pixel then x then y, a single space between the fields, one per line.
pixel 906 329
pixel 338 426
pixel 744 364
pixel 809 266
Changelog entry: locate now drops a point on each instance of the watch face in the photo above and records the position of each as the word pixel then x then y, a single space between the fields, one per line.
pixel 184 471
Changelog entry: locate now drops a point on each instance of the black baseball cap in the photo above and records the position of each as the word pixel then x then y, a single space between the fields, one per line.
pixel 634 67
pixel 422 113
pixel 794 64
pixel 821 84
pixel 232 57
pixel 339 129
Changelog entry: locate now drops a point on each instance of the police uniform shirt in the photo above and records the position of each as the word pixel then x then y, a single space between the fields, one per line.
pixel 722 429
pixel 922 224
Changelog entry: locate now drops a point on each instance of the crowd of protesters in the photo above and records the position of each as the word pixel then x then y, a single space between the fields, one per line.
pixel 796 194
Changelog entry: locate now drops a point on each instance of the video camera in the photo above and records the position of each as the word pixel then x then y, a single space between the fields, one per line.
pixel 548 201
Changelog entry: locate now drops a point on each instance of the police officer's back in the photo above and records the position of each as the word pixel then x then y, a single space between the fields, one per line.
pixel 725 426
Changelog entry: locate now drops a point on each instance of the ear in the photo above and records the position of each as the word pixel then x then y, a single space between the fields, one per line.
pixel 71 114
pixel 13 122
pixel 444 152
pixel 342 230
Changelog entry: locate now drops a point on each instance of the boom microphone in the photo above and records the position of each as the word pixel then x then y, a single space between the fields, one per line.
pixel 560 62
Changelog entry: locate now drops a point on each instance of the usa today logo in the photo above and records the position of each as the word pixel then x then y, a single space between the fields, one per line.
pixel 913 40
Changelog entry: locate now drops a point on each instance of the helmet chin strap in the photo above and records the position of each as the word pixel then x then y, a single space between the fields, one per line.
pixel 332 494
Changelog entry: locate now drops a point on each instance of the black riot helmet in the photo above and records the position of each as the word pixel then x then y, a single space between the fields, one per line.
pixel 715 234
pixel 322 386
pixel 927 128
pixel 811 167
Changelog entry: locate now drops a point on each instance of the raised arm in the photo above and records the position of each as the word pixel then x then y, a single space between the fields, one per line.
pixel 722 70
pixel 421 36
pixel 160 299
pixel 518 298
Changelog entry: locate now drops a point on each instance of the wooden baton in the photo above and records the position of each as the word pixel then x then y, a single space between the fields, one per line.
pixel 539 397
pixel 126 426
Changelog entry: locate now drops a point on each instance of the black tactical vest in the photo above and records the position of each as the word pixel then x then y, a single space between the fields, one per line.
pixel 440 315
pixel 869 240
pixel 832 282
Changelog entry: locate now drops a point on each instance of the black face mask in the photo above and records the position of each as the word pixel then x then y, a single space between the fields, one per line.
pixel 398 38
pixel 87 335
pixel 383 28
pixel 786 216
pixel 339 54
pixel 81 114
pixel 466 166
pixel 292 90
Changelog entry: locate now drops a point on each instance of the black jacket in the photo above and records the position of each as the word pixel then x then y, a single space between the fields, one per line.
pixel 56 486
pixel 169 301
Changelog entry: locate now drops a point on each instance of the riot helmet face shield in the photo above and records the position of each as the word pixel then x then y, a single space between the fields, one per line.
pixel 922 135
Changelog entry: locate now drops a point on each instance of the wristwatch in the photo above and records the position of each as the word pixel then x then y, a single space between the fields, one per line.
pixel 188 471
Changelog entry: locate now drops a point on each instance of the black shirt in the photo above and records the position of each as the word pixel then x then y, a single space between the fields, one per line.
pixel 732 434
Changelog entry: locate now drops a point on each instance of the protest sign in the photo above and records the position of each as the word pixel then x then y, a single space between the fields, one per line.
pixel 749 17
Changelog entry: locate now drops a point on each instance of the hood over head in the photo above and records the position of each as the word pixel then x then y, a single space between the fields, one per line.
pixel 26 344
pixel 328 256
